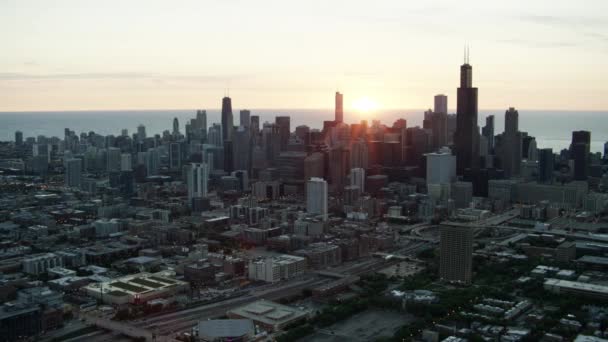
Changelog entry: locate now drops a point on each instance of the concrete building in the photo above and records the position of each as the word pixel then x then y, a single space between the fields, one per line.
pixel 224 330
pixel 462 194
pixel 39 264
pixel 73 173
pixel 316 197
pixel 126 162
pixel 456 254
pixel 198 179
pixel 357 178
pixel 440 167
pixel 321 255
pixel 269 315
pixel 277 268
pixel 137 288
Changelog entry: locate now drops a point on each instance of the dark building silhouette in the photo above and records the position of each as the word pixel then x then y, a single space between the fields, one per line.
pixel 175 126
pixel 510 149
pixel 546 165
pixel 466 138
pixel 227 131
pixel 284 125
pixel 339 108
pixel 488 132
pixel 227 119
pixel 579 153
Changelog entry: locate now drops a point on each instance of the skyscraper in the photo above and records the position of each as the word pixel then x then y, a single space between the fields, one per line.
pixel 440 167
pixel 227 130
pixel 339 165
pixel 546 165
pixel 201 123
pixel 227 120
pixel 316 197
pixel 175 127
pixel 245 118
pixel 579 153
pixel 511 144
pixel 241 148
pixel 126 162
pixel 141 132
pixel 466 137
pixel 456 254
pixel 175 156
pixel 73 177
pixel 357 178
pixel 339 115
pixel 488 132
pixel 18 138
pixel 441 104
pixel 284 125
pixel 198 179
pixel 113 160
pixel 255 124
pixel 439 126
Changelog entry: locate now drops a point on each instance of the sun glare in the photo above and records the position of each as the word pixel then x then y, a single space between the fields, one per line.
pixel 365 105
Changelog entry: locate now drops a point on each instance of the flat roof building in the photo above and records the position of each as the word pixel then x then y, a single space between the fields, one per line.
pixel 269 315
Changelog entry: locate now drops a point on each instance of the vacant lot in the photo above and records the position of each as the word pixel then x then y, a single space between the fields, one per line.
pixel 365 326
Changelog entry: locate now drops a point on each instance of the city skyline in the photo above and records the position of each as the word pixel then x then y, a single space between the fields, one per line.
pixel 395 55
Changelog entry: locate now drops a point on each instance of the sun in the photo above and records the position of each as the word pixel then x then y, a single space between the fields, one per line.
pixel 365 104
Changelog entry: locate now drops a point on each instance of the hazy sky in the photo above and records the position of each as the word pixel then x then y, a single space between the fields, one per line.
pixel 532 54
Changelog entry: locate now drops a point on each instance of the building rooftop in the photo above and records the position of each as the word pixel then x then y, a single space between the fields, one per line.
pixel 269 313
pixel 575 285
pixel 225 328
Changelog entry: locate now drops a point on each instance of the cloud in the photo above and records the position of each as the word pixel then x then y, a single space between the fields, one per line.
pixel 587 26
pixel 528 43
pixel 16 76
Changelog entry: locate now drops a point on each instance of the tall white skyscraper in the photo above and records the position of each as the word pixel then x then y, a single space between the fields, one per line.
pixel 357 177
pixel 198 178
pixel 73 175
pixel 126 162
pixel 316 197
pixel 440 167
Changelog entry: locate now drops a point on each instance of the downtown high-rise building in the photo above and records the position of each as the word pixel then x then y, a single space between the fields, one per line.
pixel 283 123
pixel 200 125
pixel 141 132
pixel 441 104
pixel 114 156
pixel 511 145
pixel 316 197
pixel 73 173
pixel 245 118
pixel 175 127
pixel 440 167
pixel 488 132
pixel 545 165
pixel 456 254
pixel 339 110
pixel 466 137
pixel 198 179
pixel 175 156
pixel 579 153
pixel 227 119
pixel 357 178
pixel 227 132
pixel 18 138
